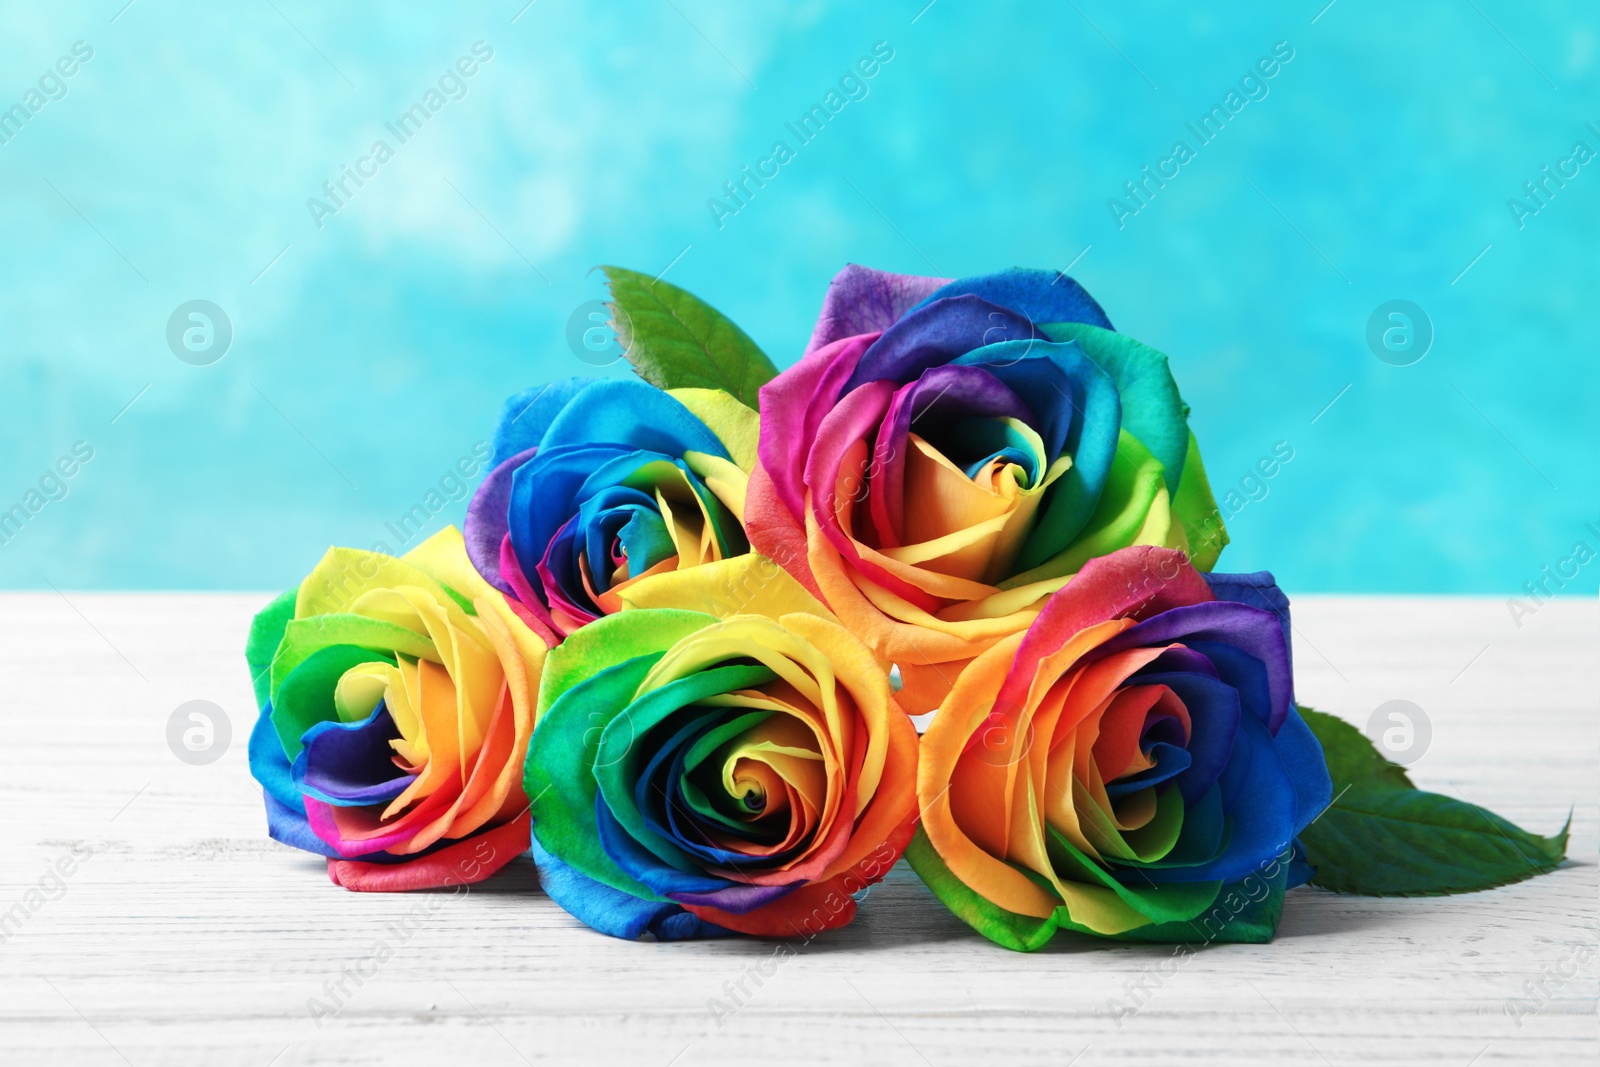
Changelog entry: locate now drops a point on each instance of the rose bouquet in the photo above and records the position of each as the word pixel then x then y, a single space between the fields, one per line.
pixel 678 650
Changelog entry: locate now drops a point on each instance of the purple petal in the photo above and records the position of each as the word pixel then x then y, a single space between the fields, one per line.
pixel 737 899
pixel 1258 589
pixel 863 300
pixel 351 763
pixel 486 524
pixel 1251 630
pixel 1180 659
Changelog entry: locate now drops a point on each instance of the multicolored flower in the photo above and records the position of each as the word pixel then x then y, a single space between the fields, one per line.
pixel 397 699
pixel 598 486
pixel 948 454
pixel 1133 765
pixel 694 776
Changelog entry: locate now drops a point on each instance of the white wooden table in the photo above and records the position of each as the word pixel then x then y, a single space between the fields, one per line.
pixel 187 937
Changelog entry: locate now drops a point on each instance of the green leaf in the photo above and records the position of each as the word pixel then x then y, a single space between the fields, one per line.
pixel 1382 836
pixel 1352 758
pixel 1384 841
pixel 675 340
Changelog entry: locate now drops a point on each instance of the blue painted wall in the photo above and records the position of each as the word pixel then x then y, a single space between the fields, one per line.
pixel 374 336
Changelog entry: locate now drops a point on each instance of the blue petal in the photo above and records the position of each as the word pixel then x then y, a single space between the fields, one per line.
pixel 1259 589
pixel 611 911
pixel 1307 767
pixel 601 518
pixel 288 825
pixel 1242 671
pixel 1261 818
pixel 632 416
pixel 1214 715
pixel 525 417
pixel 269 765
pixel 1080 415
pixel 615 472
pixel 607 422
pixel 544 496
pixel 286 812
pixel 1300 871
pixel 1040 295
pixel 936 334
pixel 1253 630
pixel 1169 760
pixel 644 865
pixel 645 540
pixel 658 781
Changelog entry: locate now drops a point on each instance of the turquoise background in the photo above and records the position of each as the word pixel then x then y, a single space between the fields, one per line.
pixel 374 352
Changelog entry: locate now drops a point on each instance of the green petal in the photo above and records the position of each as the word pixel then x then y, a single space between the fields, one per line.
pixel 1148 844
pixel 1158 901
pixel 559 776
pixel 1136 478
pixel 1244 913
pixel 619 761
pixel 1024 933
pixel 266 634
pixel 304 637
pixel 306 696
pixel 612 640
pixel 1152 410
pixel 1195 507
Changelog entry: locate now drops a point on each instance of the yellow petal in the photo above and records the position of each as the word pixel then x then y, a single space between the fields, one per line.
pixel 736 426
pixel 726 481
pixel 359 689
pixel 750 584
pixel 444 557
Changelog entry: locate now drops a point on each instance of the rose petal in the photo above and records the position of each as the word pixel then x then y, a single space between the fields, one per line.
pixel 863 300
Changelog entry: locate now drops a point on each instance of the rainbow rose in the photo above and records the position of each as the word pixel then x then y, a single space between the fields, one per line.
pixel 695 777
pixel 1131 766
pixel 397 700
pixel 598 486
pixel 948 454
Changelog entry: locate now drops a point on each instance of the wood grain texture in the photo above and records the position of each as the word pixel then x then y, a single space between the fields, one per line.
pixel 189 938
